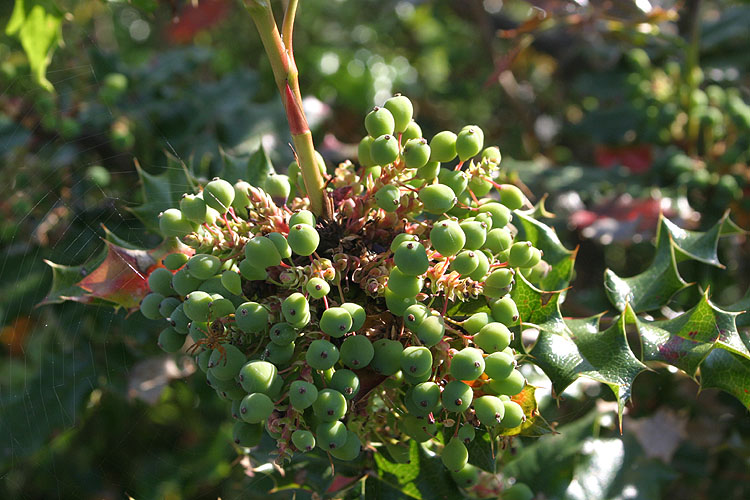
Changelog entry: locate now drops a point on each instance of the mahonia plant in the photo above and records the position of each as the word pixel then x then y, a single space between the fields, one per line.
pixel 378 311
pixel 322 330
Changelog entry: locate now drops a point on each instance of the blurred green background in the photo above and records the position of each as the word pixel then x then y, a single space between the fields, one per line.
pixel 615 109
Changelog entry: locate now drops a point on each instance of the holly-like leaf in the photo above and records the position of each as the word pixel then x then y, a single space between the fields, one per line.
pixel 160 192
pixel 259 167
pixel 424 477
pixel 65 281
pixel 118 276
pixel 685 341
pixel 537 307
pixel 742 306
pixel 651 289
pixel 545 239
pixel 729 372
pixel 582 350
pixel 38 26
pixel 534 425
pixel 695 245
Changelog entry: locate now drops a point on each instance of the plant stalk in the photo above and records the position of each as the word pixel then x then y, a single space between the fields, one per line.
pixel 281 56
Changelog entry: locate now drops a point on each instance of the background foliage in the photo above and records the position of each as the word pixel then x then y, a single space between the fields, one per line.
pixel 89 407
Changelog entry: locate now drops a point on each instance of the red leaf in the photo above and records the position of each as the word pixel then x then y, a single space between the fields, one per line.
pixel 195 18
pixel 637 158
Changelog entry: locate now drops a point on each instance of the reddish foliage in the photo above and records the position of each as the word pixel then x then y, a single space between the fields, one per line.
pixel 637 158
pixel 195 18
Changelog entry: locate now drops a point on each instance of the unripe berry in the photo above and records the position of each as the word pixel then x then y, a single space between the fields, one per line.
pixel 335 321
pixel 411 258
pixel 303 239
pixel 416 153
pixel 317 287
pixel 469 142
pixel 443 147
pixel 454 179
pixel 218 194
pixel 467 364
pixel 279 187
pixel 364 152
pixel 384 150
pixel 493 337
pixel 437 198
pixel 413 131
pixel 379 122
pixel 388 197
pixel 173 224
pixel 447 237
pixel 357 352
pixel 511 196
pixel 465 262
pixel 402 111
pixel 193 208
pixel 357 313
pixel 262 252
pixel 321 354
pixel 302 217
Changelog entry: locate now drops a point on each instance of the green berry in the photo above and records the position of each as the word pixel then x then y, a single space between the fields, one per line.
pixel 262 252
pixel 479 186
pixel 467 477
pixel 227 364
pixel 475 232
pixel 174 261
pixel 279 187
pixel 282 334
pixel 454 455
pixel 500 214
pixel 357 352
pixel 258 376
pixel 241 196
pixel 282 246
pixel 346 382
pixel 330 405
pixel 469 142
pixel 411 258
pixel 504 310
pixel 150 305
pixel 402 111
pixel 493 337
pixel 475 322
pixel 255 408
pixel 335 321
pixel 467 364
pixel 317 287
pixel 295 309
pixel 457 396
pixel 387 356
pixel 397 304
pixel 384 150
pixel 303 239
pixel 454 179
pixel 351 449
pixel 466 262
pixel 466 433
pixel 404 285
pixel 379 122
pixel 279 354
pixel 364 152
pixel 510 385
pixel 170 340
pixel 247 435
pixel 437 198
pixel 443 147
pixel 482 267
pixel 388 197
pixel 431 331
pixel 219 195
pixel 414 315
pixel 303 440
pixel 511 196
pixel 173 224
pixel 413 131
pixel 193 208
pixel 167 306
pixel 196 305
pixel 429 171
pixel 232 282
pixel 498 240
pixel 302 217
pixel 492 154
pixel 520 254
pixel 183 283
pixel 358 314
pixel 321 354
pixel 499 365
pixel 489 410
pixel 331 435
pixel 416 361
pixel 251 272
pixel 203 266
pixel 416 153
pixel 447 237
pixel 401 238
pixel 179 320
pixel 302 394
pixel 513 415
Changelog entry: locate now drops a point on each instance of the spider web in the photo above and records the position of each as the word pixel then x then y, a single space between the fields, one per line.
pixel 70 368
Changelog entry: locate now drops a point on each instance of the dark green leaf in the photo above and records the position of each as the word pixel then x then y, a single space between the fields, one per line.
pixel 160 192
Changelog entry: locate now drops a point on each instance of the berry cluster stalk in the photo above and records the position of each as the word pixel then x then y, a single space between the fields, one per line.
pixel 280 52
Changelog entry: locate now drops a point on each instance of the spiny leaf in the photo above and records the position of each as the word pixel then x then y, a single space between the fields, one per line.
pixel 38 26
pixel 582 350
pixel 538 307
pixel 742 306
pixel 160 192
pixel 651 289
pixel 695 245
pixel 730 372
pixel 545 239
pixel 65 281
pixel 685 341
pixel 534 425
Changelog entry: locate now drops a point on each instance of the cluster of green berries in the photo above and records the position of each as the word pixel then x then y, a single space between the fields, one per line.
pixel 269 302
